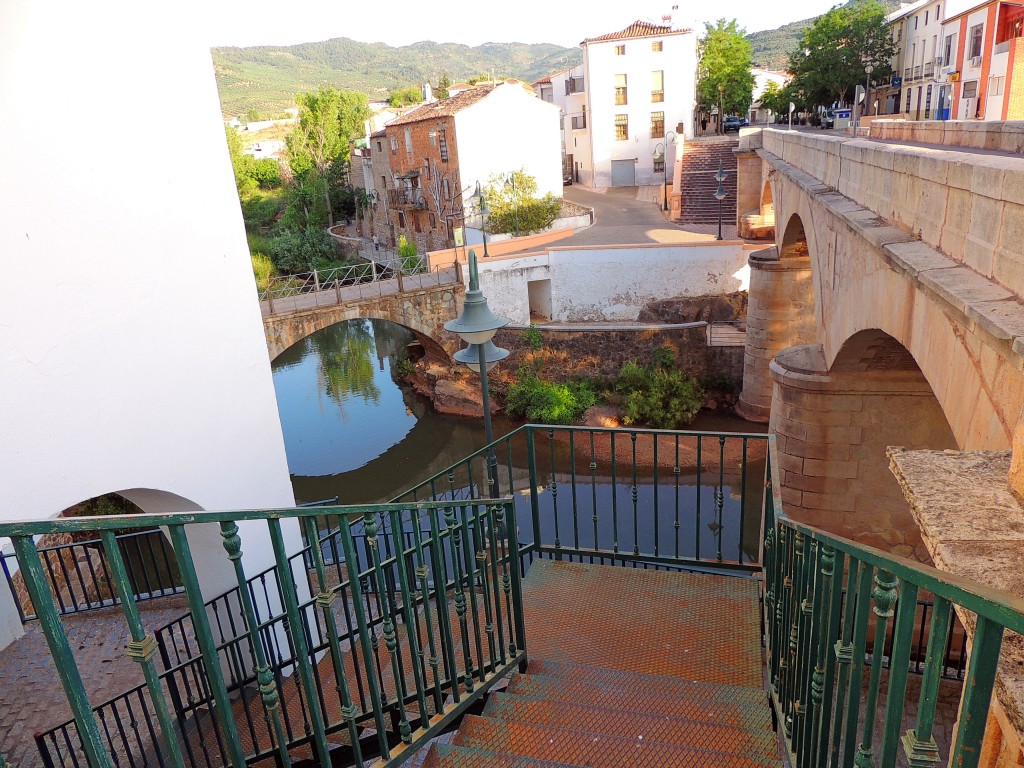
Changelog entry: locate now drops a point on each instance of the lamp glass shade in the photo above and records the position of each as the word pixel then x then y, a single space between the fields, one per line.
pixel 470 356
pixel 477 323
pixel 720 193
pixel 659 157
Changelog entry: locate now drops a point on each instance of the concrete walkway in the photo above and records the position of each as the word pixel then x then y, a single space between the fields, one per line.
pixel 631 215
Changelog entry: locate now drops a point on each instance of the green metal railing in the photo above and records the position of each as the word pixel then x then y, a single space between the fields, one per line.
pixel 638 497
pixel 427 615
pixel 826 654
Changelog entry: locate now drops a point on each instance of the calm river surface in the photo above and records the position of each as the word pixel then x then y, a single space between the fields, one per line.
pixel 350 431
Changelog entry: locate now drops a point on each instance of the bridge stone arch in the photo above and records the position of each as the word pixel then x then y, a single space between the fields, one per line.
pixel 767 204
pixel 424 312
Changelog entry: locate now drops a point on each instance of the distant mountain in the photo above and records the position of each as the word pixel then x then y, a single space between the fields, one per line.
pixel 773 46
pixel 266 78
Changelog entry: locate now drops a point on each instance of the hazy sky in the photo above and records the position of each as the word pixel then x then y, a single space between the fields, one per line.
pixel 400 22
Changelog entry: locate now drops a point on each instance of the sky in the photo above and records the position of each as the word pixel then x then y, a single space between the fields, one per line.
pixel 401 22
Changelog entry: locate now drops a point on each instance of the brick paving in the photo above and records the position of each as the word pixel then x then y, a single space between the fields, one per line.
pixel 31 697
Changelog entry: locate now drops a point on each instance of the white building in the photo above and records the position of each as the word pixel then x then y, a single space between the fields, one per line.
pixel 132 353
pixel 762 77
pixel 640 89
pixel 567 91
pixel 923 92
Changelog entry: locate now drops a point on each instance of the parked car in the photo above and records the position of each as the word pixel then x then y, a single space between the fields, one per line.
pixel 731 123
pixel 566 178
pixel 828 119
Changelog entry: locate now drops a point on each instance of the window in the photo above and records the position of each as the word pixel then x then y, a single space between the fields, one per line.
pixel 446 189
pixel 383 182
pixel 380 148
pixel 947 51
pixel 620 50
pixel 621 127
pixel 443 144
pixel 899 33
pixel 426 167
pixel 996 86
pixel 970 90
pixel 573 85
pixel 976 35
pixel 620 90
pixel 656 46
pixel 394 145
pixel 433 221
pixel 657 87
pixel 938 12
pixel 579 122
pixel 926 18
pixel 906 108
pixel 657 125
pixel 416 223
pixel 401 220
pixel 915 22
pixel 408 142
pixel 659 165
pixel 433 138
pixel 927 102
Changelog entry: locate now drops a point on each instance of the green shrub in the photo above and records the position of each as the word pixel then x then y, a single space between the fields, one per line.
pixel 404 367
pixel 260 211
pixel 720 382
pixel 664 356
pixel 533 338
pixel 546 402
pixel 669 400
pixel 263 268
pixel 405 248
pixel 298 250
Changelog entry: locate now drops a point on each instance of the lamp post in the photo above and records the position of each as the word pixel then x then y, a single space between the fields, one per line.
pixel 477 326
pixel 721 110
pixel 662 157
pixel 720 196
pixel 483 210
pixel 510 182
pixel 867 86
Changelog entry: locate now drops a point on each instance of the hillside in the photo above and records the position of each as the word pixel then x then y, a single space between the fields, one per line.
pixel 267 78
pixel 773 46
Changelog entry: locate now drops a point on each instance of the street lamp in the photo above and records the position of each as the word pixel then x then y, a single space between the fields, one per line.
pixel 720 196
pixel 477 326
pixel 867 85
pixel 661 156
pixel 721 110
pixel 510 182
pixel 483 210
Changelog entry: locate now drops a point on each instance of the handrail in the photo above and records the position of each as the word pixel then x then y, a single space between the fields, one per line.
pixel 395 588
pixel 823 638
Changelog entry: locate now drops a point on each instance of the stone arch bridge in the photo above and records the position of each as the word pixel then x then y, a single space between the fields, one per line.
pixel 887 312
pixel 423 303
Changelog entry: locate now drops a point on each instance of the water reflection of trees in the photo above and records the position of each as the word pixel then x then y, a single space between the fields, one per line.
pixel 346 355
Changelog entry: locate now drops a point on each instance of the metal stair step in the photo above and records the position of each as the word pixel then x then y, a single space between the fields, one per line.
pixel 731 705
pixel 581 748
pixel 452 755
pixel 664 729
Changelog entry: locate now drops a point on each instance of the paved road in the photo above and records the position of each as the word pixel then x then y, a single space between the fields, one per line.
pixel 630 215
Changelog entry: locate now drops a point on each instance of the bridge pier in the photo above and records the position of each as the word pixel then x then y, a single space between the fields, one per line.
pixel 833 428
pixel 780 314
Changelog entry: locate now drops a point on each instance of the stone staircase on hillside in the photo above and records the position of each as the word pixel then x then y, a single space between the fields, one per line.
pixel 628 668
pixel 700 161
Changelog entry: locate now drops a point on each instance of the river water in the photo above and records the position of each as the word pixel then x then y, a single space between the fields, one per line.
pixel 350 431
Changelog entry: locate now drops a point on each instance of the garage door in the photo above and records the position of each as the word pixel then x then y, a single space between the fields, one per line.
pixel 623 173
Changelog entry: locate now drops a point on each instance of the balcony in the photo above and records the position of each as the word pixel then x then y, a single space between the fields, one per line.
pixel 582 581
pixel 917 72
pixel 403 198
pixel 929 69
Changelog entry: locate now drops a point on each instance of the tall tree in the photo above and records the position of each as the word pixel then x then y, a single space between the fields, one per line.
pixel 329 120
pixel 442 86
pixel 830 60
pixel 723 75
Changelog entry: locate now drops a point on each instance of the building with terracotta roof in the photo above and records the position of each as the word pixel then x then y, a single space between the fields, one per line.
pixel 437 154
pixel 635 92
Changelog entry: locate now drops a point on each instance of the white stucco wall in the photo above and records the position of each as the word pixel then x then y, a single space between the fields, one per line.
pixel 615 283
pixel 678 61
pixel 506 131
pixel 575 141
pixel 132 355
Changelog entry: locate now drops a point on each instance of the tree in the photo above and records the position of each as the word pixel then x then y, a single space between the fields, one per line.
pixel 723 74
pixel 442 86
pixel 512 199
pixel 829 62
pixel 775 99
pixel 403 97
pixel 329 120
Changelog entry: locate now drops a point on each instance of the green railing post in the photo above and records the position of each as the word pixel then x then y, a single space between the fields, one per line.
pixel 835 608
pixel 142 646
pixel 443 614
pixel 388 626
pixel 60 651
pixel 264 674
pixel 325 599
pixel 860 642
pixel 207 645
pixel 517 583
pixel 354 577
pixel 981 679
pixel 899 666
pixel 455 544
pixel 298 633
pixel 844 656
pixel 884 595
pixel 423 577
pixel 410 612
pixel 531 458
pixel 918 744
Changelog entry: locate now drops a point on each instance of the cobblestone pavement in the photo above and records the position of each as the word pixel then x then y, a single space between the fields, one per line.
pixel 31 697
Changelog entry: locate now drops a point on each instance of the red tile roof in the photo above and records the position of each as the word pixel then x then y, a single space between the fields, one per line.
pixel 637 29
pixel 444 107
